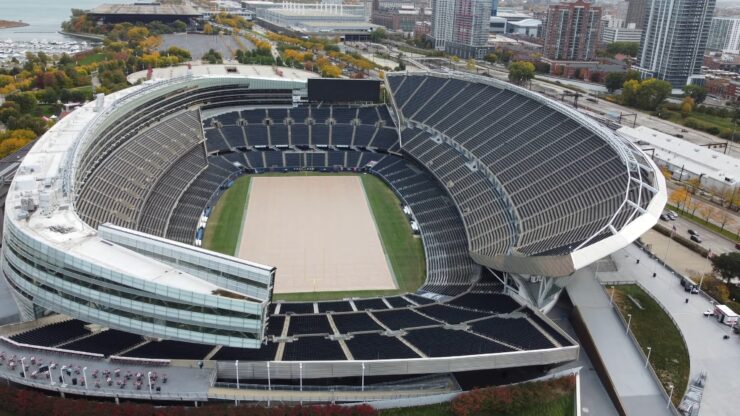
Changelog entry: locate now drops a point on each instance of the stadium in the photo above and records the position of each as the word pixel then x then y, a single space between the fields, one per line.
pixel 317 193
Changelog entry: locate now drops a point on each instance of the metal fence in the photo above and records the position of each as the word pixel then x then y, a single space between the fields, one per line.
pixel 666 396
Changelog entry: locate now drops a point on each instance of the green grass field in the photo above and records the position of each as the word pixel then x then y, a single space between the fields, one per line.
pixel 224 224
pixel 405 252
pixel 652 327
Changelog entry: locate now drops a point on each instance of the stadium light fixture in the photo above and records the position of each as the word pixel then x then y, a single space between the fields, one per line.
pixel 84 376
pixel 61 374
pixel 149 379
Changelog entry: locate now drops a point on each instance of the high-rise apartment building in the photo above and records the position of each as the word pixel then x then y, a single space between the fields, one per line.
pixel 724 34
pixel 573 31
pixel 494 7
pixel 460 27
pixel 674 39
pixel 636 13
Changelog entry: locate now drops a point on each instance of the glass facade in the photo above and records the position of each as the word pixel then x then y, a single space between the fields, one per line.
pixel 58 281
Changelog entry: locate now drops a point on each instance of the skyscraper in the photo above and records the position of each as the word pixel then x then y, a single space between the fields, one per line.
pixel 636 13
pixel 494 7
pixel 460 27
pixel 573 31
pixel 674 39
pixel 724 34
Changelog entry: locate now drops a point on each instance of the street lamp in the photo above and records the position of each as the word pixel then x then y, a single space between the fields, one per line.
pixel 84 376
pixel 149 379
pixel 647 360
pixel 236 365
pixel 300 376
pixel 269 384
pixel 363 376
pixel 629 321
pixel 61 374
pixel 670 395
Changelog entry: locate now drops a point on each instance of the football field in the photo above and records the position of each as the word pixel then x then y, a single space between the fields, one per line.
pixel 329 235
pixel 318 231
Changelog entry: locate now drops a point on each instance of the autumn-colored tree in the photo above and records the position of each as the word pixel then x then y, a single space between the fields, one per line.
pixel 707 211
pixel 678 197
pixel 694 184
pixel 724 218
pixel 666 172
pixel 687 106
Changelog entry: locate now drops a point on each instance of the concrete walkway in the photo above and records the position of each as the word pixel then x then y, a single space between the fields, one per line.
pixel 639 393
pixel 708 351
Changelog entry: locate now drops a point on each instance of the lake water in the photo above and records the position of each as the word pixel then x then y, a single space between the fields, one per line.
pixel 43 16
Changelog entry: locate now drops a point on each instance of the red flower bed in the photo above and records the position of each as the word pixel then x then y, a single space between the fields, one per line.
pixel 23 402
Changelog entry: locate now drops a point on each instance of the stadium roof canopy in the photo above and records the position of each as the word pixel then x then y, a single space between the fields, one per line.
pixel 261 71
pixel 145 9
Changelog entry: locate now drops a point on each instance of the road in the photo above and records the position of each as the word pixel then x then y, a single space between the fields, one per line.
pixel 710 240
pixel 708 350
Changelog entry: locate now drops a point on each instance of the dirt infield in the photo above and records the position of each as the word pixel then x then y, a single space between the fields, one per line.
pixel 319 233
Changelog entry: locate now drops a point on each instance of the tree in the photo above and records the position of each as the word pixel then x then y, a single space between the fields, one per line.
pixel 625 48
pixel 727 265
pixel 687 106
pixel 665 171
pixel 614 81
pixel 520 72
pixel 652 93
pixel 697 92
pixel 378 35
pixel 725 218
pixel 470 64
pixel 707 211
pixel 491 57
pixel 678 197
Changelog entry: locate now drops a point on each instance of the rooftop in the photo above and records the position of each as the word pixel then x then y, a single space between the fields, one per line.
pixel 679 152
pixel 146 9
pixel 262 71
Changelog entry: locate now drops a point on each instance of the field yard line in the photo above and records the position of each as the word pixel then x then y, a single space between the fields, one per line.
pixel 244 216
pixel 377 230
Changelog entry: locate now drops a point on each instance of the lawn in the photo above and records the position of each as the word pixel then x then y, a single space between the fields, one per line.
pixel 224 223
pixel 405 251
pixel 653 327
pixel 92 58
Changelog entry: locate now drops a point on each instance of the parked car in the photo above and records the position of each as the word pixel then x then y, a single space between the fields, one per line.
pixel 708 312
pixel 680 136
pixel 665 217
pixel 684 131
pixel 692 232
pixel 672 215
pixel 695 238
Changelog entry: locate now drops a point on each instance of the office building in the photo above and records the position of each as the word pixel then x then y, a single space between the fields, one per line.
pixel 573 31
pixel 674 39
pixel 621 34
pixel 724 34
pixel 460 27
pixel 636 13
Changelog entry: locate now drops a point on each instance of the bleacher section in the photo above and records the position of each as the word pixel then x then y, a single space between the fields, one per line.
pixel 107 342
pixel 306 126
pixel 53 334
pixel 174 350
pixel 119 189
pixel 565 181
